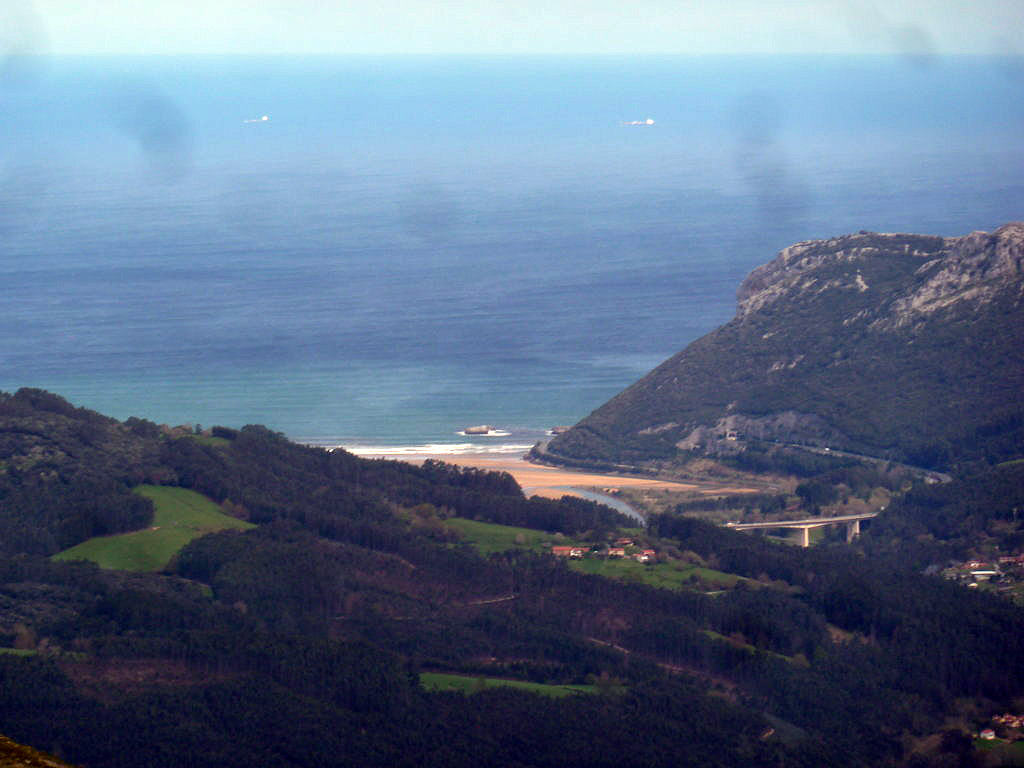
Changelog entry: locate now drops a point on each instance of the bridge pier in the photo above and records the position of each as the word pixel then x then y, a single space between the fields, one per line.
pixel 852 530
pixel 806 537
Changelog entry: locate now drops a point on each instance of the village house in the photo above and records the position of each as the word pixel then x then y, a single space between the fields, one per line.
pixel 616 552
pixel 645 556
pixel 982 571
pixel 972 572
pixel 1009 721
pixel 567 551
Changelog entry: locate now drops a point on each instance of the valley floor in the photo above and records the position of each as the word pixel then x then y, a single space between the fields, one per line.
pixel 555 482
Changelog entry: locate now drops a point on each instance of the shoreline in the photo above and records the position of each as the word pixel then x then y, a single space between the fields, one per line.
pixel 534 479
pixel 550 481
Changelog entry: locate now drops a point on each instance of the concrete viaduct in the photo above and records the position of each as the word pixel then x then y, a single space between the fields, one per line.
pixel 852 523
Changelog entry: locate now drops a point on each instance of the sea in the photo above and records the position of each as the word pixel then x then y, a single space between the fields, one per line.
pixel 377 252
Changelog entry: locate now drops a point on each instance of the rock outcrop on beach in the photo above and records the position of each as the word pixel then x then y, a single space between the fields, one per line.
pixel 899 346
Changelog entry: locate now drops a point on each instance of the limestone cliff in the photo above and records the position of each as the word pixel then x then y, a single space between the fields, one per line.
pixel 902 346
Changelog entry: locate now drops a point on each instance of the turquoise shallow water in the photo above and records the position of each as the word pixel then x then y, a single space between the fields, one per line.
pixel 410 246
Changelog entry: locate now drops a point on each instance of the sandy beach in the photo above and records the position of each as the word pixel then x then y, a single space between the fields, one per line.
pixel 555 482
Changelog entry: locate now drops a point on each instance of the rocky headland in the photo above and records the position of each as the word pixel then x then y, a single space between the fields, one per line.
pixel 900 346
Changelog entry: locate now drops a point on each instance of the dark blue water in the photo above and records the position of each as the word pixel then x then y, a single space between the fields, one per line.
pixel 411 245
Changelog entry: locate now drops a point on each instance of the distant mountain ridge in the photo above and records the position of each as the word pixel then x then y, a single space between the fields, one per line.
pixel 894 345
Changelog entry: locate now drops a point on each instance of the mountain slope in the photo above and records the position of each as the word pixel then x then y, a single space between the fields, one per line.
pixel 300 642
pixel 15 755
pixel 901 346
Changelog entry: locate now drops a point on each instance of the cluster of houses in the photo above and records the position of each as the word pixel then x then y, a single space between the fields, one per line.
pixel 1009 721
pixel 1007 570
pixel 974 572
pixel 620 549
pixel 1009 728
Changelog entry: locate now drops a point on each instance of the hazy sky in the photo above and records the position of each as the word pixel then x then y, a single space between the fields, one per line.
pixel 512 26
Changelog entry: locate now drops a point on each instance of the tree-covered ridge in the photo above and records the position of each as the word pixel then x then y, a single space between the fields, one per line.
pixel 300 642
pixel 901 346
pixel 66 475
pixel 980 515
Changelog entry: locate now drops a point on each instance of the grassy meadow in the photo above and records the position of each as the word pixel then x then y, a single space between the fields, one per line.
pixel 443 681
pixel 489 538
pixel 1000 752
pixel 216 442
pixel 671 575
pixel 180 516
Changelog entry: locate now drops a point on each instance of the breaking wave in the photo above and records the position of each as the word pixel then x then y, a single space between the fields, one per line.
pixel 434 449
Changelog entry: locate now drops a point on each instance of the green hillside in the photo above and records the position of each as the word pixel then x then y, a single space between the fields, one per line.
pixel 15 755
pixel 489 538
pixel 905 347
pixel 318 637
pixel 180 516
pixel 440 681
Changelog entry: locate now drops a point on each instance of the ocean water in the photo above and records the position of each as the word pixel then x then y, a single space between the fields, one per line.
pixel 407 246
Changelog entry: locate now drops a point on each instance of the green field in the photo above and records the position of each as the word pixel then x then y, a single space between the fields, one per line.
pixel 661 575
pixel 216 442
pixel 720 578
pixel 999 752
pixel 673 575
pixel 181 515
pixel 489 538
pixel 441 681
pixel 744 645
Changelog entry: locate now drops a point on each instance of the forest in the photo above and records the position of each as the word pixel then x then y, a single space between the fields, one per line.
pixel 301 642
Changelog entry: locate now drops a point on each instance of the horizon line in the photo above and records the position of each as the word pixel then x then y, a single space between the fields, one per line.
pixel 929 56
